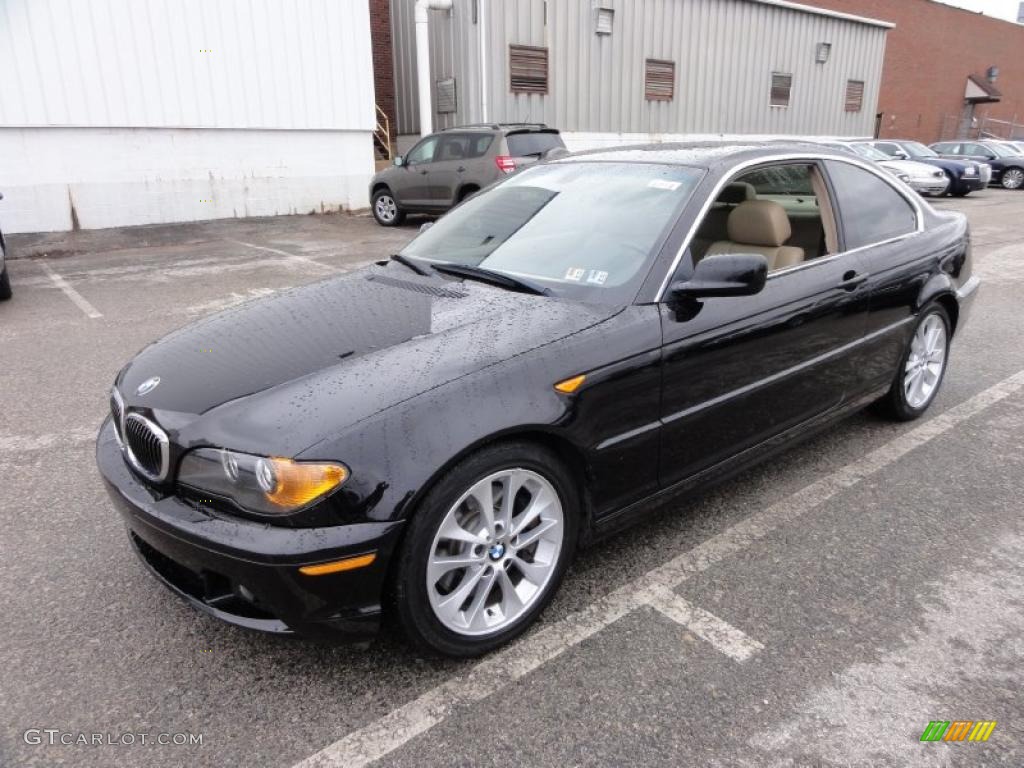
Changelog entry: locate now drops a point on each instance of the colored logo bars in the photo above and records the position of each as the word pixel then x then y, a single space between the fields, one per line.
pixel 958 730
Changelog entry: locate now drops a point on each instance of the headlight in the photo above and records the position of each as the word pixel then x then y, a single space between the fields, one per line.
pixel 265 485
pixel 970 171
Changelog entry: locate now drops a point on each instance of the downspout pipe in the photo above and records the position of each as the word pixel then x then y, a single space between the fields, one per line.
pixel 423 8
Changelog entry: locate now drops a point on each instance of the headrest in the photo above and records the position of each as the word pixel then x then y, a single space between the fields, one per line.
pixel 759 222
pixel 737 192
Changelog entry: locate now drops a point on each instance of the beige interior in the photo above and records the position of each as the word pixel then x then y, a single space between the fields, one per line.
pixel 828 222
pixel 760 226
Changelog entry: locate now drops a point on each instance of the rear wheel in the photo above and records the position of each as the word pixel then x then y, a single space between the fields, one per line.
pixel 5 285
pixel 921 369
pixel 385 208
pixel 1013 178
pixel 486 550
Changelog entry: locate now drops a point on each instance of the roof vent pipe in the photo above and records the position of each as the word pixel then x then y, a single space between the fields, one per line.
pixel 423 58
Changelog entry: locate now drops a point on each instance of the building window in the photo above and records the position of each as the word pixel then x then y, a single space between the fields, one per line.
pixel 782 85
pixel 528 69
pixel 659 80
pixel 446 100
pixel 854 95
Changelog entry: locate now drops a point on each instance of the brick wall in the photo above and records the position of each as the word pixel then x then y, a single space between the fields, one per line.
pixel 928 56
pixel 383 63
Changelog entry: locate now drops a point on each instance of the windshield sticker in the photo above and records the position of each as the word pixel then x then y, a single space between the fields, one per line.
pixel 671 186
pixel 597 277
pixel 575 273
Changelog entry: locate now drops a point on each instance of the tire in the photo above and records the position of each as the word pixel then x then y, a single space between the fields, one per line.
pixel 903 402
pixel 385 208
pixel 1012 178
pixel 463 610
pixel 5 285
pixel 466 192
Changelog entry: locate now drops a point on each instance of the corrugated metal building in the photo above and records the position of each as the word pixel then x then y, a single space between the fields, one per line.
pixel 140 111
pixel 637 69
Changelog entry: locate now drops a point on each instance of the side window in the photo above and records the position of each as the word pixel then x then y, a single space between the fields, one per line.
pixel 947 149
pixel 889 149
pixel 780 211
pixel 453 147
pixel 975 150
pixel 871 209
pixel 422 152
pixel 479 144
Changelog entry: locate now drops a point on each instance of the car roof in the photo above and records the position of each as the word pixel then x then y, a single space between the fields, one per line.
pixel 504 127
pixel 706 154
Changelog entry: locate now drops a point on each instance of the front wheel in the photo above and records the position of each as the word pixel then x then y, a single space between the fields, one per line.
pixel 486 550
pixel 922 368
pixel 5 285
pixel 385 208
pixel 1013 178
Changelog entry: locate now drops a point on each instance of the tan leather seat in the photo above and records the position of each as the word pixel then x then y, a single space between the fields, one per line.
pixel 760 226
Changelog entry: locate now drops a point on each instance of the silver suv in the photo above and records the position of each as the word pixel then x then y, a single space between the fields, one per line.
pixel 444 168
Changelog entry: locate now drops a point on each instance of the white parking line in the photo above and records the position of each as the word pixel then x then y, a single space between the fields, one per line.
pixel 376 739
pixel 70 292
pixel 292 256
pixel 722 635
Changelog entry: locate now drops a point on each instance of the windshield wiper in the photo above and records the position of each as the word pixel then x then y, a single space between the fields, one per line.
pixel 406 261
pixel 490 276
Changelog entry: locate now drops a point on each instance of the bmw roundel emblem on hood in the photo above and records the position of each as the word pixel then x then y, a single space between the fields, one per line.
pixel 147 386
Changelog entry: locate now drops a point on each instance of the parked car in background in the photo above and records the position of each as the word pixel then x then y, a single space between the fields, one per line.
pixel 430 437
pixel 445 168
pixel 964 177
pixel 1007 163
pixel 922 178
pixel 5 280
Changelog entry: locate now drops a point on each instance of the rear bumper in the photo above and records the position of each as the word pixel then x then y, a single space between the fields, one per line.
pixel 247 573
pixel 929 185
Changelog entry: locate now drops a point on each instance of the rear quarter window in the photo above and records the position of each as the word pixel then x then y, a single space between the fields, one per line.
pixel 533 143
pixel 871 209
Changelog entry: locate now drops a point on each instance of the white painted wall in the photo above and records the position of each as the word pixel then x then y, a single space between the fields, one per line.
pixel 124 176
pixel 142 111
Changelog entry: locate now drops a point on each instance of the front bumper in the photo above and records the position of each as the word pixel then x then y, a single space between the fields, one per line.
pixel 247 573
pixel 972 183
pixel 929 185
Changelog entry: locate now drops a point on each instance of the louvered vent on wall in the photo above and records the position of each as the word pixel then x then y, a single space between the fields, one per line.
pixel 528 69
pixel 659 80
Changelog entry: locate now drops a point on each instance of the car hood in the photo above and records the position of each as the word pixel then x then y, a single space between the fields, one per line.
pixel 912 168
pixel 336 352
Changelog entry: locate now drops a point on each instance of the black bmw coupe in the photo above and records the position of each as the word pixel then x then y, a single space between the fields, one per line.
pixel 431 439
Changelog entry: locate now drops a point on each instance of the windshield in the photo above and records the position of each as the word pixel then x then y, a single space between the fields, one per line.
pixel 869 152
pixel 915 149
pixel 582 230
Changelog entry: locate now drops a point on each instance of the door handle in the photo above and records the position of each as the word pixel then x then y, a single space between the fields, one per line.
pixel 461 169
pixel 423 173
pixel 852 279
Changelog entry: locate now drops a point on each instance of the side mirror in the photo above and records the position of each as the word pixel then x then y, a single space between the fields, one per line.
pixel 425 226
pixel 399 161
pixel 901 155
pixel 724 274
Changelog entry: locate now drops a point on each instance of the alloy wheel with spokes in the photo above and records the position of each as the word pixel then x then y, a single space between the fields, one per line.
pixel 495 552
pixel 386 208
pixel 925 363
pixel 486 548
pixel 1013 178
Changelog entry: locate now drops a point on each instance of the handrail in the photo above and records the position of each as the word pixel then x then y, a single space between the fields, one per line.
pixel 382 131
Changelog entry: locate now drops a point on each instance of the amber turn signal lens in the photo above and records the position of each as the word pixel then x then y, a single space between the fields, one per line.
pixel 569 386
pixel 348 564
pixel 292 484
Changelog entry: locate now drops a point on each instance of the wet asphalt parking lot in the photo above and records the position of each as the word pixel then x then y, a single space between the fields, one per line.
pixel 817 611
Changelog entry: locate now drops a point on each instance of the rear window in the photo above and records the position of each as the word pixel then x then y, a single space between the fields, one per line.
pixel 533 143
